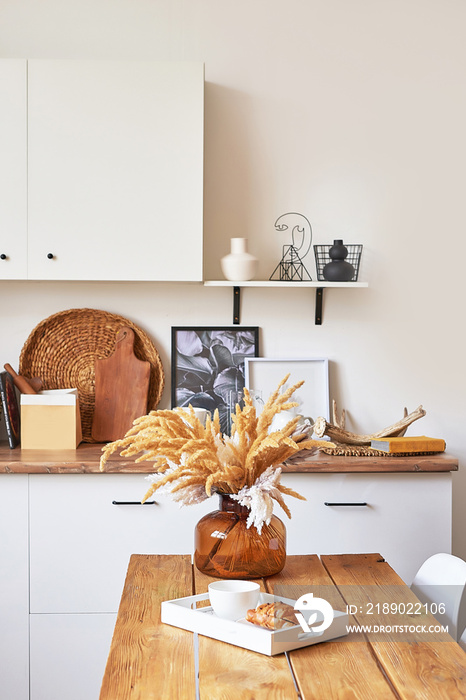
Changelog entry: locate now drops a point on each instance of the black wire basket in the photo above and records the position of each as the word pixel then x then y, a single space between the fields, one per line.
pixel 322 258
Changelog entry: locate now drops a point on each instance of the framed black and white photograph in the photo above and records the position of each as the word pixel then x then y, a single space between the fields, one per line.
pixel 208 366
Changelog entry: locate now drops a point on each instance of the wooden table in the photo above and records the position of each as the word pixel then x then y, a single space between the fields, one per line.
pixel 151 660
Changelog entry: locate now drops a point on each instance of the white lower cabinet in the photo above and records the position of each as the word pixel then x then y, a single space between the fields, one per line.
pixel 68 655
pixel 14 588
pixel 60 591
pixel 407 517
pixel 82 534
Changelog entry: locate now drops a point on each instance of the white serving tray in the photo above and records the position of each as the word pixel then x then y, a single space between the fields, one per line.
pixel 182 612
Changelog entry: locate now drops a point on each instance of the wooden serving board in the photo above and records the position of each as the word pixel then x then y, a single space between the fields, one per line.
pixel 121 389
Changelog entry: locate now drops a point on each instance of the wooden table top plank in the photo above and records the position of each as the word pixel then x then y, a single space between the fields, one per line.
pixel 416 668
pixel 330 671
pixel 227 672
pixel 148 660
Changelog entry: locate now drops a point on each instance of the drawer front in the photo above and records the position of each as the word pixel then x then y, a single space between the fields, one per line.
pixel 405 517
pixel 81 542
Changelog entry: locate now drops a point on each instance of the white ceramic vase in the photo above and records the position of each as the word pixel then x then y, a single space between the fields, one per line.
pixel 239 265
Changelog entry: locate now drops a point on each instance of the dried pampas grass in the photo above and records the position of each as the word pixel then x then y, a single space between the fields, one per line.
pixel 192 461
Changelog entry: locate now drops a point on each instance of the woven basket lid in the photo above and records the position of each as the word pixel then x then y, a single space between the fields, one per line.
pixel 62 349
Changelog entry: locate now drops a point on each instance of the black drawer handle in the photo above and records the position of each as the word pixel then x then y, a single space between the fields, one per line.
pixel 345 504
pixel 134 503
pixel 3 256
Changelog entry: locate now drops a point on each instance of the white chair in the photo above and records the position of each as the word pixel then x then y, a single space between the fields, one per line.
pixel 462 641
pixel 441 581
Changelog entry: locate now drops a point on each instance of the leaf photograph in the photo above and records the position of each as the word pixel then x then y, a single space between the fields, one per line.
pixel 208 365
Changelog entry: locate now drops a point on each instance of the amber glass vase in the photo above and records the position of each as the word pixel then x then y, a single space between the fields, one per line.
pixel 226 548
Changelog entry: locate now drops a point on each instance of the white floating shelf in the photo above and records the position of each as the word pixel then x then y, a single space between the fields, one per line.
pixel 318 285
pixel 268 283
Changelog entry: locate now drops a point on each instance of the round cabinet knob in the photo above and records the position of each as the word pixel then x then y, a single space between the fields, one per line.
pixel 50 256
pixel 2 256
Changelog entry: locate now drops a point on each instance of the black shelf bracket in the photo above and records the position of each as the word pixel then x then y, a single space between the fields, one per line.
pixel 237 301
pixel 236 304
pixel 319 299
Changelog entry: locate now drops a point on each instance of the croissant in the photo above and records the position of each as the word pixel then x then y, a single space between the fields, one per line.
pixel 272 616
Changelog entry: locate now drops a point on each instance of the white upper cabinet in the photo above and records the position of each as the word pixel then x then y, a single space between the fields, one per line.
pixel 115 170
pixel 13 170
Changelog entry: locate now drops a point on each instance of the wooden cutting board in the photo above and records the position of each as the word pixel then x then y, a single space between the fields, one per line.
pixel 121 389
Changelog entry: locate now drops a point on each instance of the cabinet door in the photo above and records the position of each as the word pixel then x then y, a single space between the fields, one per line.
pixel 13 169
pixel 407 517
pixel 80 542
pixel 14 588
pixel 68 655
pixel 115 170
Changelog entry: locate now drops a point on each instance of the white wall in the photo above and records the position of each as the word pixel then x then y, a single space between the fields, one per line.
pixel 351 113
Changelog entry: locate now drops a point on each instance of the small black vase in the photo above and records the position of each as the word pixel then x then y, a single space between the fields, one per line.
pixel 338 270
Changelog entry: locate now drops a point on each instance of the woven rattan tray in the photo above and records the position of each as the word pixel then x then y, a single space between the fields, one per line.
pixel 62 349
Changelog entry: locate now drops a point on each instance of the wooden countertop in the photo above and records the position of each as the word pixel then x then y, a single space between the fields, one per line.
pixel 85 460
pixel 149 659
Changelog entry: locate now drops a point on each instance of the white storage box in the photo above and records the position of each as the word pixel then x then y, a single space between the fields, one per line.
pixel 182 612
pixel 50 420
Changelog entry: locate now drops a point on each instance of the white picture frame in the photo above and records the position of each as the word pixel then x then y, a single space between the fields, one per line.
pixel 262 374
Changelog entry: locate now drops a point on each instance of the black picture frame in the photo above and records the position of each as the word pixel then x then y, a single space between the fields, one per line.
pixel 207 363
pixel 10 408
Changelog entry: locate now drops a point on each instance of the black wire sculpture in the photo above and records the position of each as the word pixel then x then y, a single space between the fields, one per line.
pixel 291 267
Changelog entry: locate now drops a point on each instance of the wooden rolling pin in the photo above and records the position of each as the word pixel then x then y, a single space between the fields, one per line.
pixel 21 383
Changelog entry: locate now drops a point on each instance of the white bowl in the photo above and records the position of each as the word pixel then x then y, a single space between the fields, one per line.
pixel 232 599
